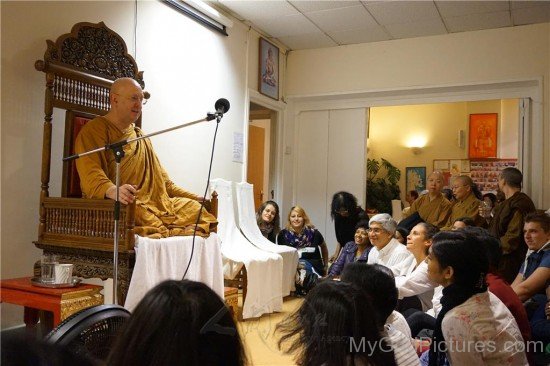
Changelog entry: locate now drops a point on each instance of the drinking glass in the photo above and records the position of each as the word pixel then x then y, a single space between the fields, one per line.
pixel 47 266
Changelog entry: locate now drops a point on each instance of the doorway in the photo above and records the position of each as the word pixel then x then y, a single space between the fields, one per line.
pixel 261 125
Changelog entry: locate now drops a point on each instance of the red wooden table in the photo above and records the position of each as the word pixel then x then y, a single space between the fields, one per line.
pixel 61 302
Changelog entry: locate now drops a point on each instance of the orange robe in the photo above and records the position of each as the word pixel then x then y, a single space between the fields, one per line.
pixel 162 208
pixel 435 212
pixel 468 207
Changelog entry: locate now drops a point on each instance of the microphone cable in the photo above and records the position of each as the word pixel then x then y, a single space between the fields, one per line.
pixel 203 200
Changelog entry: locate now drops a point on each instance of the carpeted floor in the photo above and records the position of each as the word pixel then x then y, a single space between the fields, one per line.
pixel 260 340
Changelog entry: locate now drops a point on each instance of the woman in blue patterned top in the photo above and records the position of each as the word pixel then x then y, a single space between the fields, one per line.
pixel 355 250
pixel 299 233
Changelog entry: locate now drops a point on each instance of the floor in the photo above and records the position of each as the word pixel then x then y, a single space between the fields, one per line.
pixel 257 334
pixel 260 340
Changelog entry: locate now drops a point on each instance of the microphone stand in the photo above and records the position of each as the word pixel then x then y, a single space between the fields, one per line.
pixel 118 150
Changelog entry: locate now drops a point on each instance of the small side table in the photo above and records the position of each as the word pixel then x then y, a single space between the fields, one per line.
pixel 61 302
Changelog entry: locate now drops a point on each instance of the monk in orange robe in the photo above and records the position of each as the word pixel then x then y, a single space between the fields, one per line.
pixel 162 208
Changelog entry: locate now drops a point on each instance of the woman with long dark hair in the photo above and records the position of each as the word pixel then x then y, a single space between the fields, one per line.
pixel 473 327
pixel 269 220
pixel 346 214
pixel 179 323
pixel 334 326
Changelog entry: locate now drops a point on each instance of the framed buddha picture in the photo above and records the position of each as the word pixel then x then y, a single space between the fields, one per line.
pixel 268 78
pixel 482 142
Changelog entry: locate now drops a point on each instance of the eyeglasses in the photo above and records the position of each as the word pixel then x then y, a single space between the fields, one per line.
pixel 375 230
pixel 134 99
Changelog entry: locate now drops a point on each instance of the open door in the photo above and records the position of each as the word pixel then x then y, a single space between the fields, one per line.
pixel 260 135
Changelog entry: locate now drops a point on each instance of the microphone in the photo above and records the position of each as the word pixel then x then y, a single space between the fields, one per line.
pixel 222 106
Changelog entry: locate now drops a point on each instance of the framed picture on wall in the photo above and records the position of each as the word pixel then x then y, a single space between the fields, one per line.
pixel 482 142
pixel 268 76
pixel 416 178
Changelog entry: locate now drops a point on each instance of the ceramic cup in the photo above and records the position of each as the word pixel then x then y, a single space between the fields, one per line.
pixel 63 273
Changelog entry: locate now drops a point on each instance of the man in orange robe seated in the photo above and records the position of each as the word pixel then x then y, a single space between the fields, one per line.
pixel 162 208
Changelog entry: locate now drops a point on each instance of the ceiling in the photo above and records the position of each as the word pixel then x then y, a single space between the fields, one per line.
pixel 317 24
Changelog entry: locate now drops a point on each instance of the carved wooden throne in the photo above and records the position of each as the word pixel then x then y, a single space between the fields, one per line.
pixel 80 67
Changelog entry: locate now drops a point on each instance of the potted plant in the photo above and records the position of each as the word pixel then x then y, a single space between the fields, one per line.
pixel 382 185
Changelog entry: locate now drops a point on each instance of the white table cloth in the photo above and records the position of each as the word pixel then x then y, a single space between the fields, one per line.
pixel 163 259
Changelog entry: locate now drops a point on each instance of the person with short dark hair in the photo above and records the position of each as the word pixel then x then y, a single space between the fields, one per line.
pixel 470 314
pixel 329 327
pixel 534 274
pixel 346 213
pixel 179 323
pixel 354 250
pixel 269 220
pixel 463 222
pixel 508 220
pixel 379 284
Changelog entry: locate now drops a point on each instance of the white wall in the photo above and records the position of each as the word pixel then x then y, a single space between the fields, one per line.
pixel 187 67
pixel 392 68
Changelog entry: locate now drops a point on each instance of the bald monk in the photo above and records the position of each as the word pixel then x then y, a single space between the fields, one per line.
pixel 467 200
pixel 162 208
pixel 433 207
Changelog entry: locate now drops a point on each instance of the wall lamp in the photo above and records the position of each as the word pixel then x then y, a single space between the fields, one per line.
pixel 416 144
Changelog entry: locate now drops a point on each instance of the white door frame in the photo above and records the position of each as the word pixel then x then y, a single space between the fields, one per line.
pixel 490 90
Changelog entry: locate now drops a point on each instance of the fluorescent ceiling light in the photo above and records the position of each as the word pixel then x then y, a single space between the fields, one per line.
pixel 202 13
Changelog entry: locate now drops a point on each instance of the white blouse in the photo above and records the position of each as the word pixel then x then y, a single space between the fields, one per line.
pixel 417 283
pixel 482 331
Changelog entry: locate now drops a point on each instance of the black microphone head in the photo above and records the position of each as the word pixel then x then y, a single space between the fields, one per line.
pixel 222 105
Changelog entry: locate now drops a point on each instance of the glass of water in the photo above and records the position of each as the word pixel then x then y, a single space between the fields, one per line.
pixel 47 265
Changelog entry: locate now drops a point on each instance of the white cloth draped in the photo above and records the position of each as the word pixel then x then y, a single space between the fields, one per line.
pixel 264 269
pixel 250 229
pixel 163 259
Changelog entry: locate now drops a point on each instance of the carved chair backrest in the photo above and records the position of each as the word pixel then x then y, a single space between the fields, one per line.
pixel 80 68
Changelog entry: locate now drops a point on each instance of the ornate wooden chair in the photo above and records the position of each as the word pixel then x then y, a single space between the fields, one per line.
pixel 80 67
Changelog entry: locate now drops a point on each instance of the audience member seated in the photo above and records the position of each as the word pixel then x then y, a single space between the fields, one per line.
pixel 179 323
pixel 467 200
pixel 354 250
pixel 299 233
pixel 490 201
pixel 346 214
pixel 475 325
pixel 498 286
pixel 386 250
pixel 162 208
pixel 507 223
pixel 401 234
pixel 269 220
pixel 433 207
pixel 534 274
pixel 334 326
pixel 541 327
pixel 416 284
pixel 463 222
pixel 378 282
pixel 410 197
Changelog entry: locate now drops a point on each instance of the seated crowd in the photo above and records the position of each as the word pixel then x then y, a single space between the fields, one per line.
pixel 444 295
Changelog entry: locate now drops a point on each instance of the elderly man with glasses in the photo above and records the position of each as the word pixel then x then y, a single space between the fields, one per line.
pixel 162 208
pixel 386 250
